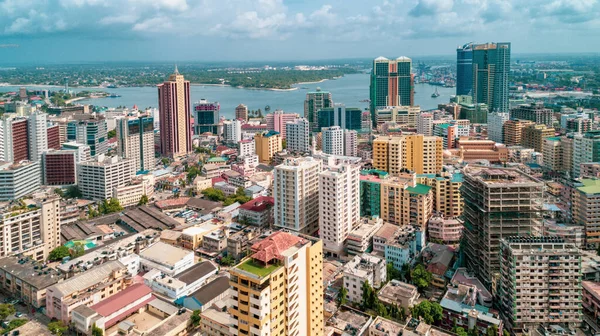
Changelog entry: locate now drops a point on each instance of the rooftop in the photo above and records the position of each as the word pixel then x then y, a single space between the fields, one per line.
pixel 121 299
pixel 590 186
pixel 387 326
pixel 211 290
pixel 498 175
pixel 258 204
pixel 273 246
pixel 420 189
pixel 395 290
pixel 25 271
pixel 256 268
pixel 165 254
pixel 89 278
pixel 147 217
pixel 387 231
pixel 196 272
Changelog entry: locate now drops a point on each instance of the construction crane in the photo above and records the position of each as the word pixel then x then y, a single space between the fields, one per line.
pixel 9 45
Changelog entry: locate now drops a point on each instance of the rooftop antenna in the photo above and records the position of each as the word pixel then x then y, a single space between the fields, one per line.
pixel 176 71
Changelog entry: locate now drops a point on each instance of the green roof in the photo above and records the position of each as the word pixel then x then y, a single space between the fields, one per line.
pixel 426 175
pixel 553 138
pixel 590 186
pixel 457 177
pixel 217 159
pixel 420 189
pixel 257 269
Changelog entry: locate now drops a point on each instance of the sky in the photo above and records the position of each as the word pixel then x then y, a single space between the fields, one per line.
pixel 65 31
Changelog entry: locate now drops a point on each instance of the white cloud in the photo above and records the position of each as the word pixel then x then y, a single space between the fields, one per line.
pixel 123 19
pixel 154 25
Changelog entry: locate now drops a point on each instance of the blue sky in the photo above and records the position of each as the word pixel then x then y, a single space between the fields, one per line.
pixel 213 30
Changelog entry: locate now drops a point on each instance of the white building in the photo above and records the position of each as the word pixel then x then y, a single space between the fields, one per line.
pixel 38 136
pixel 232 131
pixel 97 179
pixel 166 258
pixel 135 140
pixel 350 143
pixel 82 152
pixel 363 268
pixel 298 134
pixel 425 124
pixel 296 194
pixel 247 148
pixel 129 195
pixel 494 125
pixel 185 283
pixel 20 179
pixel 332 140
pixel 339 204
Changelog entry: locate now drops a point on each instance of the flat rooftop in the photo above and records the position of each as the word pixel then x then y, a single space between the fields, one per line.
pixel 165 254
pixel 499 175
pixel 25 271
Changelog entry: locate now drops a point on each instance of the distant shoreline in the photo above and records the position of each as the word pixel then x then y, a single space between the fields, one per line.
pixel 317 82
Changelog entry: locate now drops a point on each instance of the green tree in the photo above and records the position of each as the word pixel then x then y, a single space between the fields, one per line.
pixel 58 253
pixel 6 309
pixel 112 134
pixel 165 161
pixel 430 311
pixel 492 330
pixel 283 144
pixel 14 324
pixel 57 328
pixel 78 250
pixel 195 318
pixel 213 194
pixel 192 172
pixel 406 272
pixel 343 295
pixel 420 277
pixel 227 261
pixel 96 331
pixel 59 192
pixel 73 192
pixel 369 297
pixel 143 200
pixel 460 331
pixel 109 207
pixel 392 273
pixel 92 212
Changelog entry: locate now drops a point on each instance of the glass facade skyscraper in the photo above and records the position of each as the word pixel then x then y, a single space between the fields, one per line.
pixel 491 67
pixel 464 70
pixel 391 84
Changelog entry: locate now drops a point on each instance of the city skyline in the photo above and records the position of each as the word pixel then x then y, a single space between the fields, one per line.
pixel 86 30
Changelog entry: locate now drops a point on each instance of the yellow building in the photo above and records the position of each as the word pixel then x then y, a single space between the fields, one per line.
pixel 447 199
pixel 415 152
pixel 267 144
pixel 513 131
pixel 278 290
pixel 534 135
pixel 405 202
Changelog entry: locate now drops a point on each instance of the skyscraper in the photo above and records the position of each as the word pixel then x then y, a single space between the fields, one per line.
pixel 91 130
pixel 298 135
pixel 206 117
pixel 333 140
pixel 38 135
pixel 241 112
pixel 464 70
pixel 314 102
pixel 175 117
pixel 135 140
pixel 491 67
pixel 391 84
pixel 340 115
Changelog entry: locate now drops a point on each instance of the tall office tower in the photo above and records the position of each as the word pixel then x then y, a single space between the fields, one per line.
pixel 283 276
pixel 241 112
pixel 495 123
pixel 53 136
pixel 350 143
pixel 298 135
pixel 425 124
pixel 59 167
pixel 37 135
pixel 533 136
pixel 535 112
pixel 296 194
pixel 175 117
pixel 340 115
pixel 498 203
pixel 464 70
pixel 416 152
pixel 584 207
pixel 586 148
pixel 332 140
pixel 97 179
pixel 206 117
pixel 314 102
pixel 82 152
pixel 232 131
pixel 14 140
pixel 135 140
pixel 339 208
pixel 89 130
pixel 406 202
pixel 540 283
pixel 391 84
pixel 491 67
pixel 267 144
pixel 512 131
pixel 277 120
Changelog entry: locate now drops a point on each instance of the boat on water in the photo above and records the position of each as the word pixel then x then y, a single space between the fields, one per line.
pixel 435 94
pixel 113 95
pixel 365 100
pixel 111 86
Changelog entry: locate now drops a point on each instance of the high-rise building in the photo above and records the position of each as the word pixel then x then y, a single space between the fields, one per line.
pixel 59 167
pixel 464 69
pixel 206 117
pixel 232 131
pixel 391 84
pixel 338 204
pixel 350 143
pixel 586 148
pixel 585 208
pixel 342 116
pixel 332 140
pixel 82 152
pixel 277 120
pixel 97 179
pixel 53 135
pixel 447 199
pixel 512 131
pixel 314 102
pixel 535 112
pixel 175 116
pixel 298 135
pixel 278 290
pixel 241 112
pixel 498 203
pixel 19 179
pixel 296 194
pixel 267 144
pixel 475 113
pixel 425 124
pixel 495 124
pixel 89 130
pixel 135 140
pixel 246 148
pixel 403 115
pixel 366 122
pixel 37 135
pixel 534 135
pixel 540 283
pixel 406 202
pixel 14 140
pixel 552 154
pixel 416 152
pixel 491 67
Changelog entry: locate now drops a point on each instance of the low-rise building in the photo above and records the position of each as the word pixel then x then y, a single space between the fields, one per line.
pixel 385 234
pixel 168 259
pixel 445 230
pixel 257 212
pixel 211 170
pixel 404 246
pixel 591 298
pixel 182 284
pixel 239 243
pixel 191 238
pixel 360 238
pixel 215 322
pixel 398 293
pixel 461 309
pixel 363 268
pixel 438 259
pixel 384 327
pixel 213 292
pixel 130 195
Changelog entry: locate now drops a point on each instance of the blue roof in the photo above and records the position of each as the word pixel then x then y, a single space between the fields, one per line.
pixel 426 175
pixel 551 207
pixel 255 188
pixel 457 177
pixel 270 133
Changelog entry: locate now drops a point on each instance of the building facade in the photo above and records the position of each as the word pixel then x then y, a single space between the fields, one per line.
pixel 342 116
pixel 59 168
pixel 135 140
pixel 416 152
pixel 97 179
pixel 491 68
pixel 391 84
pixel 298 135
pixel 175 116
pixel 267 144
pixel 314 102
pixel 278 120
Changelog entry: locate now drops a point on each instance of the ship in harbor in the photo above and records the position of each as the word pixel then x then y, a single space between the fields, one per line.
pixel 435 94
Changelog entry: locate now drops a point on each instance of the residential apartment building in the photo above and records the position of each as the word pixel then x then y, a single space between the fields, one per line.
pixel 37 135
pixel 296 194
pixel 495 125
pixel 445 230
pixel 402 115
pixel 314 102
pixel 360 269
pixel 26 281
pixel 277 121
pixel 241 112
pixel 332 140
pixel 585 209
pixel 19 179
pixel 447 199
pixel 477 150
pixel 535 112
pixel 135 140
pixel 498 203
pixel 552 154
pixel 298 135
pixel 425 124
pixel 533 136
pixel 540 283
pixel 586 148
pixel 97 179
pixel 267 144
pixel 406 202
pixel 246 148
pixel 350 143
pixel 416 152
pixel 257 212
pixel 512 131
pixel 338 204
pixel 278 290
pixel 232 131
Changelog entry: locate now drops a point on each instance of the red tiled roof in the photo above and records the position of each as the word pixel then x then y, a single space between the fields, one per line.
pixel 120 300
pixel 272 246
pixel 128 312
pixel 217 180
pixel 181 201
pixel 258 204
